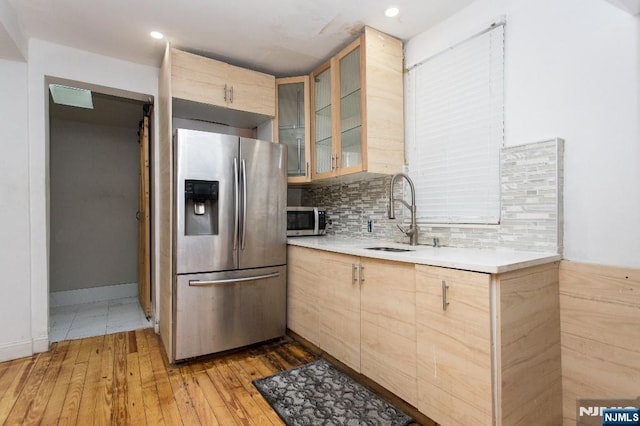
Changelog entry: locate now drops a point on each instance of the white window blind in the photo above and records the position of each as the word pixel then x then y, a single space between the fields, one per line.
pixel 456 129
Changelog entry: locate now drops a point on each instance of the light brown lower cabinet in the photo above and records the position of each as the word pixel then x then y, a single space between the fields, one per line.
pixel 339 304
pixel 361 311
pixel 303 294
pixel 323 303
pixel 388 326
pixel 489 346
pixel 462 347
pixel 454 345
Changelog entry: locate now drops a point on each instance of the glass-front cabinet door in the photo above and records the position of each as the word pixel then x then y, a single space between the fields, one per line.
pixel 323 158
pixel 292 129
pixel 350 110
pixel 337 136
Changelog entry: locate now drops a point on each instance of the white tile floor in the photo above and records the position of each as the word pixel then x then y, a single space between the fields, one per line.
pixel 95 319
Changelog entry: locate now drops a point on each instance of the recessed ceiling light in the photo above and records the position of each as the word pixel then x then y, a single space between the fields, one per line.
pixel 392 11
pixel 157 35
pixel 71 96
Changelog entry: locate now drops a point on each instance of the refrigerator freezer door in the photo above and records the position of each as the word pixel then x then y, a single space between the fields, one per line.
pixel 225 310
pixel 263 177
pixel 202 158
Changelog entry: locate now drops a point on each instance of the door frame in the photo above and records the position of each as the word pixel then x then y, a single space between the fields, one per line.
pixel 41 344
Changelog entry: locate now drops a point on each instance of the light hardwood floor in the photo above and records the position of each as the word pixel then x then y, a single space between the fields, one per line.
pixel 125 379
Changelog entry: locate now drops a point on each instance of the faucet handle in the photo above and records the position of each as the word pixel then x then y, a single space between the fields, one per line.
pixel 408 232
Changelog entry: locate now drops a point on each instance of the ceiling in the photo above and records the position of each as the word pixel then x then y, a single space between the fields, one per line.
pixel 283 37
pixel 112 111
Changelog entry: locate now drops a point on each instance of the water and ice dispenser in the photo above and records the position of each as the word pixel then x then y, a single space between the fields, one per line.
pixel 201 207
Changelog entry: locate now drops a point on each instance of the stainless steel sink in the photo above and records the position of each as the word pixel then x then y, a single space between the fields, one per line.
pixel 392 249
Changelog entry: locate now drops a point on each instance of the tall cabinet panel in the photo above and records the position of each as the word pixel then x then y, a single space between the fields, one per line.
pixel 163 209
pixel 292 125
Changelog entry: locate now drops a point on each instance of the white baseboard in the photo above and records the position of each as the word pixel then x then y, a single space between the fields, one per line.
pixel 94 294
pixel 40 344
pixel 23 349
pixel 17 350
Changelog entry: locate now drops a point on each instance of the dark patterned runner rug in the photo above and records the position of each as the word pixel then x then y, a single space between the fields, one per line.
pixel 318 394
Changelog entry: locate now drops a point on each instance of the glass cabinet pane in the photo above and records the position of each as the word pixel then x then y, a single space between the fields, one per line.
pixel 291 125
pixel 350 109
pixel 322 111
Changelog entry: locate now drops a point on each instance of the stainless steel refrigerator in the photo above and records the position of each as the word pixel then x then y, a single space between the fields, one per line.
pixel 230 242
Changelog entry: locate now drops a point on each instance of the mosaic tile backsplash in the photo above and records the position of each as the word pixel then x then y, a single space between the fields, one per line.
pixel 531 206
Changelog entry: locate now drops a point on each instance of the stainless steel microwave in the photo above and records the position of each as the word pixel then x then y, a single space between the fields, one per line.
pixel 305 221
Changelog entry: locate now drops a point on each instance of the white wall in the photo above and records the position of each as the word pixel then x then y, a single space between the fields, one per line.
pixel 15 284
pixel 13 44
pixel 93 196
pixel 572 70
pixel 51 60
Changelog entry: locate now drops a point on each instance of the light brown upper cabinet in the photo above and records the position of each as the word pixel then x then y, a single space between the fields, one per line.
pixel 357 119
pixel 292 125
pixel 200 79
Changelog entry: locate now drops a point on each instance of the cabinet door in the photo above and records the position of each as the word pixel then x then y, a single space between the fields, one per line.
pixel 292 125
pixel 350 157
pixel 302 293
pixel 324 162
pixel 454 346
pixel 251 91
pixel 199 79
pixel 383 117
pixel 388 326
pixel 337 278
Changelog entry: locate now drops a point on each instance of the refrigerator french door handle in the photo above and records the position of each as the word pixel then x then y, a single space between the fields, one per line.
pixel 198 283
pixel 244 203
pixel 237 200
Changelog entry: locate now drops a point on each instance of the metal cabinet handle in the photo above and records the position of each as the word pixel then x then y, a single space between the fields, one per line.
pixel 444 295
pixel 353 273
pixel 307 173
pixel 299 142
pixel 225 93
pixel 361 274
pixel 231 95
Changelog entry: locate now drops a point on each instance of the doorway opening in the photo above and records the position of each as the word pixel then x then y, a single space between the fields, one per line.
pixel 99 264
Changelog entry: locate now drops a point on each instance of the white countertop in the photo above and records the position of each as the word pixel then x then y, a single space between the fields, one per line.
pixel 478 260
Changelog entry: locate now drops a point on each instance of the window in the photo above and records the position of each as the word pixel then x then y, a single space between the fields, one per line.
pixel 455 129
